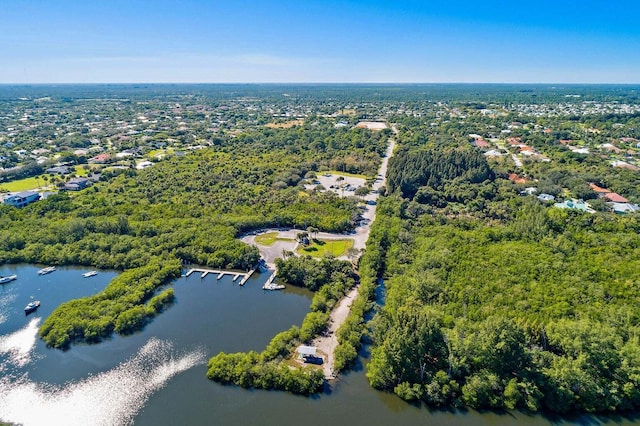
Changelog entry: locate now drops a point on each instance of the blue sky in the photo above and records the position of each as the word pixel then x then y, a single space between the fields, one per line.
pixel 73 41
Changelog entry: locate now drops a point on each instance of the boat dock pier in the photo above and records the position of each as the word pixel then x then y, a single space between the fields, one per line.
pixel 271 285
pixel 220 274
pixel 271 278
pixel 247 276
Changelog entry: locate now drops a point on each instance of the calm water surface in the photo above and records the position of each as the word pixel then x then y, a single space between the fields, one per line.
pixel 157 376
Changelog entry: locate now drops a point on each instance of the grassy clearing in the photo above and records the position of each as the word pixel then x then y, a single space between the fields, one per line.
pixel 82 171
pixel 159 152
pixel 34 182
pixel 25 184
pixel 269 239
pixel 285 125
pixel 337 173
pixel 322 248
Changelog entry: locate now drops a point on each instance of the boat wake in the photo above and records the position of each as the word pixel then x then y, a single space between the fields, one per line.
pixel 110 398
pixel 19 345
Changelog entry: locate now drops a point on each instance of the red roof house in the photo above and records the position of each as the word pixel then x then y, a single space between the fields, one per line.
pixel 615 198
pixel 598 189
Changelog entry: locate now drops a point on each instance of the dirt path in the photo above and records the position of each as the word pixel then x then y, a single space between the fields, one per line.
pixel 327 344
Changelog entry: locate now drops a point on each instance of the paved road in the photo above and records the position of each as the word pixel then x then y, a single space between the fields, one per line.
pixel 327 344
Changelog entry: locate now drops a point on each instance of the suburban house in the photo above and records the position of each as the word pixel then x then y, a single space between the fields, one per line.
pixel 624 208
pixel 144 164
pixel 546 197
pixel 517 179
pixel 77 184
pixel 59 170
pixel 22 199
pixel 618 203
pixel 100 159
pixel 575 205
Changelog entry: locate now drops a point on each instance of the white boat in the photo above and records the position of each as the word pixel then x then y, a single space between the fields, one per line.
pixel 90 274
pixel 273 286
pixel 32 306
pixel 8 279
pixel 46 270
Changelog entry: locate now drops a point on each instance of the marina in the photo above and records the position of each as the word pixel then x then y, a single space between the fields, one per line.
pixel 220 274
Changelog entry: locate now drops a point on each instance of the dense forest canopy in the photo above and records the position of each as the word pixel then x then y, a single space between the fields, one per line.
pixel 189 208
pixel 413 170
pixel 535 311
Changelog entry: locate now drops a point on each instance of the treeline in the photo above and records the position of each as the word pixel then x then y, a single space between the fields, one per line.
pixel 30 168
pixel 411 170
pixel 537 313
pixel 273 368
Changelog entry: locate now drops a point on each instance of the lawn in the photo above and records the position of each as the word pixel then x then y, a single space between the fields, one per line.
pixel 269 239
pixel 321 248
pixel 25 184
pixel 34 182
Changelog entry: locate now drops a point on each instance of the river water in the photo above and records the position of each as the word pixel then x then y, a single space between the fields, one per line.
pixel 157 376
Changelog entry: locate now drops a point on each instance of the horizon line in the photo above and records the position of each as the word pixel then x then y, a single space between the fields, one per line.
pixel 320 83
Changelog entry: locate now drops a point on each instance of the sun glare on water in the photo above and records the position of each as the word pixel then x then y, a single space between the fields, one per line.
pixel 110 398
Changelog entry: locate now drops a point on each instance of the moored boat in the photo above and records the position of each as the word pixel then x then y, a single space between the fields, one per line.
pixel 90 274
pixel 46 270
pixel 273 286
pixel 31 306
pixel 8 279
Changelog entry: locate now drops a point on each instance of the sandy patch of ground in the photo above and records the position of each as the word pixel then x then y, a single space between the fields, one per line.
pixel 328 343
pixel 285 125
pixel 372 125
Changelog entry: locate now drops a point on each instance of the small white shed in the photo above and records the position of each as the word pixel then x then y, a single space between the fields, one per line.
pixel 306 350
